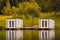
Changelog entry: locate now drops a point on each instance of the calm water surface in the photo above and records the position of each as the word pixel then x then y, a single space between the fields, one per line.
pixel 30 35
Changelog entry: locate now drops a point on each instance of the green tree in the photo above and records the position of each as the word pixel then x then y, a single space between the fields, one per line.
pixel 25 7
pixel 2 4
pixel 29 9
pixel 7 10
pixel 45 5
pixel 55 7
pixel 14 11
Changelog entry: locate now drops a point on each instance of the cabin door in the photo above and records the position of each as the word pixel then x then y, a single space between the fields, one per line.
pixel 44 23
pixel 11 24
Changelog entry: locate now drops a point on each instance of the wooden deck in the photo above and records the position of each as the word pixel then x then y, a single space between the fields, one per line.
pixel 28 28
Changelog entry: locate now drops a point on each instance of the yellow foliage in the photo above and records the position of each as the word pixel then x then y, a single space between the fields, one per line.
pixel 7 10
pixel 8 4
pixel 14 10
pixel 28 5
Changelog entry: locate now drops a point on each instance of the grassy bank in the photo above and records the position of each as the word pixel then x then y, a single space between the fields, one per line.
pixel 3 20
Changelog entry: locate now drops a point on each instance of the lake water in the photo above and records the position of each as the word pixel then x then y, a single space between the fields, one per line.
pixel 30 35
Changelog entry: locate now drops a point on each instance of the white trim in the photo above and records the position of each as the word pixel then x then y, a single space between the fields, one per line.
pixel 44 23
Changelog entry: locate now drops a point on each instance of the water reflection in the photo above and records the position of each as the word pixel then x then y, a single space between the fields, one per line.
pixel 47 35
pixel 30 35
pixel 14 35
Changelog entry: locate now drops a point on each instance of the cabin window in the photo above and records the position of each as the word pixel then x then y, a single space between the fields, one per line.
pixel 9 23
pixel 45 23
pixel 42 23
pixel 12 23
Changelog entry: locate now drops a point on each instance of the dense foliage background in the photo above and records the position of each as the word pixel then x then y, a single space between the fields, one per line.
pixel 30 10
pixel 19 5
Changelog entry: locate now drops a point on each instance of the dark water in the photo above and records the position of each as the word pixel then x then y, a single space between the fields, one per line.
pixel 30 35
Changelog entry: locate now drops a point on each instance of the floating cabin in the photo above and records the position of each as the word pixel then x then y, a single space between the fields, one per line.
pixel 46 23
pixel 14 23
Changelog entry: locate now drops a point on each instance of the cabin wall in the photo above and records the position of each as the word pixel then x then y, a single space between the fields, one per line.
pixel 16 22
pixel 7 23
pixel 51 24
pixel 19 23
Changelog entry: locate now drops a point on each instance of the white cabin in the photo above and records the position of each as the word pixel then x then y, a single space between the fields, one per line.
pixel 46 23
pixel 14 23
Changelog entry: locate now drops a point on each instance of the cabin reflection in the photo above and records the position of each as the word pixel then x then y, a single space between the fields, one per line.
pixel 46 35
pixel 14 35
